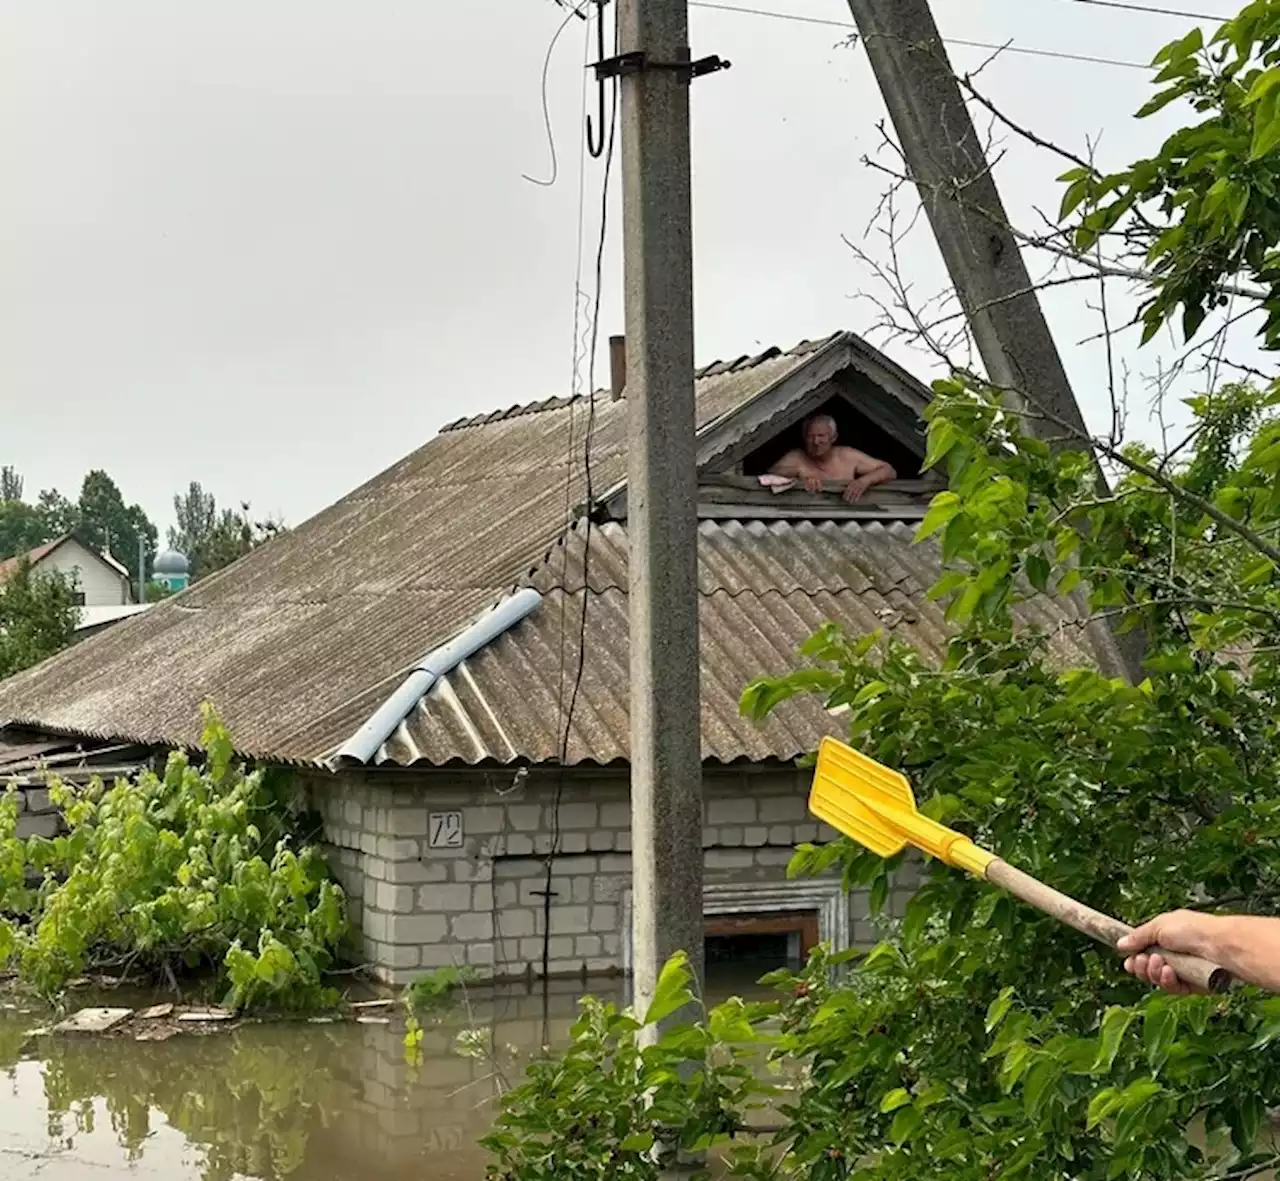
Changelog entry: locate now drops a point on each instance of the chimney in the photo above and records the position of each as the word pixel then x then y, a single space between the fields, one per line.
pixel 618 365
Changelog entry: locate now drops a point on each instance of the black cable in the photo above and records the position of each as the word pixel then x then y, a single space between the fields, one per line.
pixel 586 556
pixel 966 43
pixel 1154 10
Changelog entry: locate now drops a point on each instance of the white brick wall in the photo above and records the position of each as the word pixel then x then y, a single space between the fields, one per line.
pixel 484 904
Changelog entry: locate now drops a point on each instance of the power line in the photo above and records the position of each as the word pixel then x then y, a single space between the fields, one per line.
pixel 566 716
pixel 546 109
pixel 848 26
pixel 1154 10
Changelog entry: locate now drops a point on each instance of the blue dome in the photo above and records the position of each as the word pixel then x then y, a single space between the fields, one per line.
pixel 171 562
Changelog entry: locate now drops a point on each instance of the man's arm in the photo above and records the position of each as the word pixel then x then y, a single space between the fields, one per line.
pixel 867 473
pixel 1248 946
pixel 796 465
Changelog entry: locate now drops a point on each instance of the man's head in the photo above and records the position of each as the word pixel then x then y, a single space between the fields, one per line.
pixel 820 435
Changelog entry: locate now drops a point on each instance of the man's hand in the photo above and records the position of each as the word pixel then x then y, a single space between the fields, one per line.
pixel 813 483
pixel 1180 930
pixel 854 489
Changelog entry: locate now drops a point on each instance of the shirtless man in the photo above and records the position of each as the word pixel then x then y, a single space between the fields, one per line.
pixel 822 460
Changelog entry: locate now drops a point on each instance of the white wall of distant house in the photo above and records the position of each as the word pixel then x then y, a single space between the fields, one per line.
pixel 100 583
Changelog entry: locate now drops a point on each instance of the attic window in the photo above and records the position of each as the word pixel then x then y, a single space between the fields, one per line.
pixel 854 429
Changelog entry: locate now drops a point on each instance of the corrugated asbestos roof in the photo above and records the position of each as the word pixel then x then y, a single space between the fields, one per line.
pixel 765 588
pixel 299 642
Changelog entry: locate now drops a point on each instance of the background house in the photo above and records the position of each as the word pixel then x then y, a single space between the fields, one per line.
pixel 104 591
pixel 470 818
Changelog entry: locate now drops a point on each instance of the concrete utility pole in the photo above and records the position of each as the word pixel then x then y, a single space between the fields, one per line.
pixel 666 755
pixel 960 197
pixel 963 204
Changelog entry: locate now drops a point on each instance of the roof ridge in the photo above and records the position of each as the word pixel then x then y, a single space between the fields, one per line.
pixel 714 369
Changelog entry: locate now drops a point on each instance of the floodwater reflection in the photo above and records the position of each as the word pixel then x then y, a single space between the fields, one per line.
pixel 298 1100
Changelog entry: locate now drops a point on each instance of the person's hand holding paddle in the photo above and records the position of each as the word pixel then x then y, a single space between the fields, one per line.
pixel 1248 946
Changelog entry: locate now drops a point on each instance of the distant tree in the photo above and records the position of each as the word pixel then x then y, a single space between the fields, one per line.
pixel 22 528
pixel 60 515
pixel 38 615
pixel 211 538
pixel 233 535
pixel 10 483
pixel 108 525
pixel 157 591
pixel 196 514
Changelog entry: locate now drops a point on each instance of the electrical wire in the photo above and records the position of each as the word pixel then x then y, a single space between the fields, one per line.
pixel 848 26
pixel 1154 10
pixel 566 714
pixel 546 106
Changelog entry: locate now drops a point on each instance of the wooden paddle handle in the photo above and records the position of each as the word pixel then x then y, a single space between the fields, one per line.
pixel 1191 969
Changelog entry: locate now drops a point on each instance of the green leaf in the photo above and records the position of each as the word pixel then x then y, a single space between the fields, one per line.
pixel 942 509
pixel 899 1097
pixel 1244 1117
pixel 905 1125
pixel 1176 51
pixel 943 436
pixel 1159 1027
pixel 998 1008
pixel 869 692
pixel 1257 572
pixel 1037 1090
pixel 879 894
pixel 1076 192
pixel 1037 568
pixel 637 1142
pixel 1069 581
pixel 673 990
pixel 1266 126
pixel 1263 84
pixel 1115 1022
pixel 1101 1106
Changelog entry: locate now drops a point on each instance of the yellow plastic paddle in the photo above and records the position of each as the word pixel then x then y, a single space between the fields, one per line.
pixel 874 806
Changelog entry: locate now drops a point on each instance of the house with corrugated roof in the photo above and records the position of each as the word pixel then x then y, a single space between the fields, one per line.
pixel 412 652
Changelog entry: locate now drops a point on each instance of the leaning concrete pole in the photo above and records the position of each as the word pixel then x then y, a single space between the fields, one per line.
pixel 666 760
pixel 963 204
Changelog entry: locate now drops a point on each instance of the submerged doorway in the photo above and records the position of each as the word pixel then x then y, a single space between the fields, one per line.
pixel 741 948
pixel 812 911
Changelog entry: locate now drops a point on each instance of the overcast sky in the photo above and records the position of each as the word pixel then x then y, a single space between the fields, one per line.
pixel 273 244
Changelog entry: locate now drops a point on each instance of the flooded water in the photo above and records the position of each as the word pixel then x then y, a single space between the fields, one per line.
pixel 310 1102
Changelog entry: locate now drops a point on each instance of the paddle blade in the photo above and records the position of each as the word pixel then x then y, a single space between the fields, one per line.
pixel 861 798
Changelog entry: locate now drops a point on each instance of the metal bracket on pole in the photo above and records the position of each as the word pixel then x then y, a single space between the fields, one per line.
pixel 637 62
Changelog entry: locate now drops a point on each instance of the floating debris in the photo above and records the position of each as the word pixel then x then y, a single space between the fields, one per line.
pixel 92 1021
pixel 207 1015
pixel 155 1012
pixel 373 1020
pixel 320 1020
pixel 156 1033
pixel 380 1004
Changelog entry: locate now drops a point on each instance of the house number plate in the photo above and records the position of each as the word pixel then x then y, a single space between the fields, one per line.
pixel 445 830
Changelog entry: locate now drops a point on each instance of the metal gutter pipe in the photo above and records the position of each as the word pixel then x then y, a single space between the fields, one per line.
pixel 365 743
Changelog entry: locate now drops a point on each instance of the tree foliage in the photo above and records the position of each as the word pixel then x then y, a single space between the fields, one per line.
pixel 100 518
pixel 981 1039
pixel 38 615
pixel 200 868
pixel 10 483
pixel 612 1107
pixel 106 523
pixel 212 538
